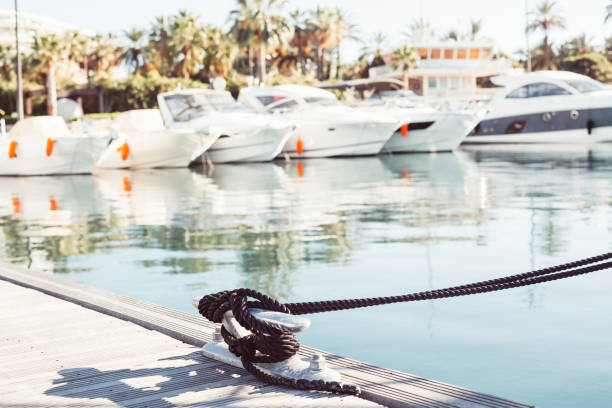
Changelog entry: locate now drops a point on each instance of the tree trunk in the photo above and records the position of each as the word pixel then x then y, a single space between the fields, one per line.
pixel 302 60
pixel 262 64
pixel 319 64
pixel 406 83
pixel 546 54
pixel 86 68
pixel 250 58
pixel 51 89
pixel 338 63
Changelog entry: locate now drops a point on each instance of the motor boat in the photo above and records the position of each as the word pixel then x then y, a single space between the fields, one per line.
pixel 43 145
pixel 243 135
pixel 424 128
pixel 325 127
pixel 142 141
pixel 547 107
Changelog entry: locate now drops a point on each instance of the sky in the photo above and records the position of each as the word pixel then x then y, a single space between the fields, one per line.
pixel 503 21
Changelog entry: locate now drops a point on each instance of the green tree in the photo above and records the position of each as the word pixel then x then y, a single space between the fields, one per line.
pixel 301 39
pixel 592 64
pixel 608 12
pixel 160 51
pixel 187 35
pixel 544 19
pixel 261 24
pixel 105 54
pixel 132 55
pixel 576 46
pixel 7 57
pixel 475 27
pixel 47 51
pixel 404 58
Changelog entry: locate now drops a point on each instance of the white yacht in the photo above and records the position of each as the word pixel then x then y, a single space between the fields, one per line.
pixel 243 135
pixel 43 145
pixel 144 142
pixel 547 107
pixel 424 128
pixel 325 128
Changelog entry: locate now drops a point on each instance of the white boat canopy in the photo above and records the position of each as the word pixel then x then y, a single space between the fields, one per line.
pixel 44 126
pixel 140 120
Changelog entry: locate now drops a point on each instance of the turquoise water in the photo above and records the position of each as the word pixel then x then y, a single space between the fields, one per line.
pixel 360 227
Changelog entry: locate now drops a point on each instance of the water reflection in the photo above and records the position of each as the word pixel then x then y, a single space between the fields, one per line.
pixel 335 228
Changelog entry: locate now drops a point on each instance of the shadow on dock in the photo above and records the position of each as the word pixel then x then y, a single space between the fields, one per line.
pixel 199 380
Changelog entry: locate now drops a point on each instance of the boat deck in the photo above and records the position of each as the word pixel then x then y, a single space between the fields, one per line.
pixel 67 344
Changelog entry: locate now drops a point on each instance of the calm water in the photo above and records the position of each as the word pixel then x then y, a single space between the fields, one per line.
pixel 337 228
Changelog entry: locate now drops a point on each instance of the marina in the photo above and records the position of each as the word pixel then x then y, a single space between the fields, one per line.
pixel 166 236
pixel 280 203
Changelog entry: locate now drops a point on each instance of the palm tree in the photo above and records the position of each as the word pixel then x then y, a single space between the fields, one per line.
pixel 301 39
pixel 405 59
pixel 133 54
pixel 262 24
pixel 475 27
pixel 341 29
pixel 545 19
pixel 220 52
pixel 79 48
pixel 608 12
pixel 105 53
pixel 7 56
pixel 48 50
pixel 186 33
pixel 243 31
pixel 160 52
pixel 419 30
pixel 377 42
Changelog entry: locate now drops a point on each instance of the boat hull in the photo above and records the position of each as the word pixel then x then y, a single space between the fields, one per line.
pixel 443 135
pixel 350 139
pixel 68 155
pixel 153 149
pixel 263 145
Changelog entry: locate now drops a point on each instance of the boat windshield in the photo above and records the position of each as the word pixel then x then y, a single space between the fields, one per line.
pixel 585 85
pixel 187 107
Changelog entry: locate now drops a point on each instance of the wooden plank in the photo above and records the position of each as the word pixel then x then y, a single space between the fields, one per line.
pixel 133 367
pixel 388 387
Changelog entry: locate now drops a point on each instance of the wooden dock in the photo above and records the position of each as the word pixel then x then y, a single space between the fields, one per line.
pixel 66 344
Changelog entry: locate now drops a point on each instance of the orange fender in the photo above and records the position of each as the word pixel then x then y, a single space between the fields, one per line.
pixel 50 144
pixel 16 205
pixel 299 147
pixel 404 129
pixel 127 185
pixel 300 169
pixel 12 149
pixel 52 205
pixel 125 151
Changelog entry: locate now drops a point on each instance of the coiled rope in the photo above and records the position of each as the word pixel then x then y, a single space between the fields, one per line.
pixel 275 345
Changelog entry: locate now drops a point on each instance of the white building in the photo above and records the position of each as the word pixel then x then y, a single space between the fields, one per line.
pixel 30 25
pixel 449 69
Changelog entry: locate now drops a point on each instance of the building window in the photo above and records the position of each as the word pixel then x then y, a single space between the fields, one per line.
pixel 461 53
pixel 435 53
pixel 448 54
pixel 486 53
pixel 422 53
pixel 443 83
pixel 454 82
pixel 432 82
pixel 474 52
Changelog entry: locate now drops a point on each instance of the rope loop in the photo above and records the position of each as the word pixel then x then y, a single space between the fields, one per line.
pixel 268 344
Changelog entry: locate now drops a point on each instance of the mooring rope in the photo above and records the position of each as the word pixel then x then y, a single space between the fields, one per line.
pixel 275 345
